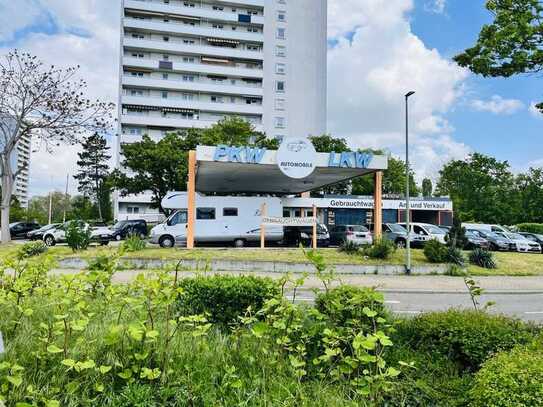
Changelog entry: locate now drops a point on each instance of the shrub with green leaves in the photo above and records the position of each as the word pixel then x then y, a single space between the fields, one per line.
pixel 435 251
pixel 381 249
pixel 134 243
pixel 346 303
pixel 468 338
pixel 512 379
pixel 349 247
pixel 455 256
pixel 483 258
pixel 78 236
pixel 31 249
pixel 531 228
pixel 225 298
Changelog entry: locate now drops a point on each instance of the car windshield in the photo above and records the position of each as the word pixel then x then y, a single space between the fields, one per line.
pixel 395 228
pixel 434 230
pixel 321 228
pixel 356 229
pixel 119 225
pixel 470 233
pixel 515 236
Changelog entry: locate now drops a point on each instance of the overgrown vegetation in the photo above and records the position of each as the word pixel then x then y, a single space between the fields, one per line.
pixel 381 249
pixel 31 249
pixel 134 243
pixel 483 258
pixel 78 236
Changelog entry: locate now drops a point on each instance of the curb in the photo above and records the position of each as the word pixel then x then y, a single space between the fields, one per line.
pixel 485 292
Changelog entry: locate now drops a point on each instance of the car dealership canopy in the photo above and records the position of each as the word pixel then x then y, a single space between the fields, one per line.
pixel 293 169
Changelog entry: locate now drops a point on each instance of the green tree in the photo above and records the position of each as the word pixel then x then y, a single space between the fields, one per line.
pixel 327 144
pixel 481 187
pixel 427 187
pixel 38 207
pixel 512 44
pixel 17 212
pixel 394 180
pixel 82 208
pixel 529 187
pixel 93 169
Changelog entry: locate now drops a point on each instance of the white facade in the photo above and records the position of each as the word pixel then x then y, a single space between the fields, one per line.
pixel 190 63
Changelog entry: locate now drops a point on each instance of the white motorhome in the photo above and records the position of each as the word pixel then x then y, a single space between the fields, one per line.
pixel 485 227
pixel 219 219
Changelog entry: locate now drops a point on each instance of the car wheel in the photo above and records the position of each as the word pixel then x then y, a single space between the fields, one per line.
pixel 142 236
pixel 401 244
pixel 49 240
pixel 118 237
pixel 493 247
pixel 167 242
pixel 239 243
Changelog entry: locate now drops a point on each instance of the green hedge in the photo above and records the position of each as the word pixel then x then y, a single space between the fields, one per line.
pixel 510 379
pixel 225 298
pixel 468 338
pixel 531 228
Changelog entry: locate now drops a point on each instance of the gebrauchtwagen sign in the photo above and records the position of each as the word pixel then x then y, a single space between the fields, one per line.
pixel 288 221
pixel 296 158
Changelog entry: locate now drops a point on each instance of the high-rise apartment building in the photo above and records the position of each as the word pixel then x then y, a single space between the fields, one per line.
pixel 191 63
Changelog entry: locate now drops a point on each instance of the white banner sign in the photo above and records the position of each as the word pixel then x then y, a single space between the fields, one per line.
pixel 288 221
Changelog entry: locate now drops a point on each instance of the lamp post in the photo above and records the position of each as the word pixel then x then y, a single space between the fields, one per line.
pixel 407 201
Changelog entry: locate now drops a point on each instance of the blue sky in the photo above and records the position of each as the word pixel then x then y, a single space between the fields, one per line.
pixel 378 50
pixel 518 137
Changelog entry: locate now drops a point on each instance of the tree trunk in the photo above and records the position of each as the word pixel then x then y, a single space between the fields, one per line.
pixel 99 199
pixel 7 186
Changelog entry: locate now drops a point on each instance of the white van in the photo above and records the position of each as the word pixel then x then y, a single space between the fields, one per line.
pixel 427 232
pixel 486 227
pixel 219 219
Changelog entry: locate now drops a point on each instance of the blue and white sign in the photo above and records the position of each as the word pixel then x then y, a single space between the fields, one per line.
pixel 296 158
pixel 350 159
pixel 244 155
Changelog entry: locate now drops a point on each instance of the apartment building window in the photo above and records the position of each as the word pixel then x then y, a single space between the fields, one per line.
pixel 136 92
pixel 188 59
pixel 281 33
pixel 217 99
pixel 164 95
pixel 218 8
pixel 252 29
pixel 166 39
pixel 138 74
pixel 280 122
pixel 188 78
pixel 165 76
pixel 252 12
pixel 137 55
pixel 282 1
pixel 232 81
pixel 280 86
pixel 188 96
pixel 165 57
pixel 232 99
pixel 218 26
pixel 188 4
pixel 281 51
pixel 138 36
pixel 252 47
pixel 282 16
pixel 279 104
pixel 185 41
pixel 166 1
pixel 234 28
pixel 280 69
pixel 134 209
pixel 166 20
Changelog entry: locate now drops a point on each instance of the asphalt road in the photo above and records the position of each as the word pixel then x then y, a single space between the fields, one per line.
pixel 527 306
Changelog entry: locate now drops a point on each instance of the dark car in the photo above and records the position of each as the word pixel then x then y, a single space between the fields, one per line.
pixel 18 230
pixel 38 233
pixel 124 228
pixel 474 241
pixel 497 242
pixel 296 235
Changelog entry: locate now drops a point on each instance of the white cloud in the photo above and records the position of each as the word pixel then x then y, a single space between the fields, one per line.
pixel 12 17
pixel 534 111
pixel 497 105
pixel 436 6
pixel 370 74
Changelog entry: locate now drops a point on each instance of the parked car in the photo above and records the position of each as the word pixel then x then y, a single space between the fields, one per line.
pixel 534 237
pixel 485 227
pixel 100 235
pixel 427 231
pixel 398 234
pixel 521 244
pixel 124 228
pixel 294 235
pixel 357 234
pixel 497 242
pixel 18 230
pixel 38 233
pixel 474 241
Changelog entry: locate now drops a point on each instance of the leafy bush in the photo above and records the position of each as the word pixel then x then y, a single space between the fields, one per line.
pixel 225 298
pixel 512 378
pixel 78 236
pixel 435 251
pixel 382 249
pixel 531 228
pixel 349 247
pixel 134 243
pixel 483 258
pixel 346 303
pixel 31 249
pixel 455 256
pixel 465 337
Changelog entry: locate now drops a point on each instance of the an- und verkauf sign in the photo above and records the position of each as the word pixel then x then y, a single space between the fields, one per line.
pixel 275 221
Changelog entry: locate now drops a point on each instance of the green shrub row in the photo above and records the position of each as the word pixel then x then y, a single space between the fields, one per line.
pixel 531 228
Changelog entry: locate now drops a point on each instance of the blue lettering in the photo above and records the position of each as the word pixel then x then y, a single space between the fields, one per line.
pixel 345 160
pixel 332 161
pixel 220 152
pixel 254 155
pixel 234 155
pixel 363 159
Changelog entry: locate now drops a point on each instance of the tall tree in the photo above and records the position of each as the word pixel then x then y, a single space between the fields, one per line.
pixel 512 44
pixel 47 103
pixel 481 187
pixel 529 187
pixel 427 187
pixel 93 169
pixel 38 207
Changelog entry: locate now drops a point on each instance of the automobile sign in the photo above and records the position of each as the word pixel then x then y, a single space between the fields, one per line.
pixel 296 158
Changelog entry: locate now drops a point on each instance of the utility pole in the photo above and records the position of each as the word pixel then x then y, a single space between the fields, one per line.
pixel 66 198
pixel 407 198
pixel 50 207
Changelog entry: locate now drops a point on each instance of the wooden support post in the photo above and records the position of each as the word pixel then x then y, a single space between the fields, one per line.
pixel 378 206
pixel 314 227
pixel 191 199
pixel 264 213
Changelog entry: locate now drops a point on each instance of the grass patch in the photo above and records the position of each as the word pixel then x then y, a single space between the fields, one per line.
pixel 512 264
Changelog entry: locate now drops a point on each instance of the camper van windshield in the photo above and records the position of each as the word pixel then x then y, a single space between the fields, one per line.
pixel 178 218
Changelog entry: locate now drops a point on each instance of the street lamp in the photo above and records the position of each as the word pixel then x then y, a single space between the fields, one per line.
pixel 407 203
